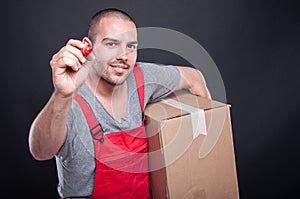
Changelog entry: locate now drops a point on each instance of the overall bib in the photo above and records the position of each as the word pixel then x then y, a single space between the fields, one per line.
pixel 121 157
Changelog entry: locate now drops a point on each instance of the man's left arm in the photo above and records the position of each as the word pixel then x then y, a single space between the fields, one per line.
pixel 193 80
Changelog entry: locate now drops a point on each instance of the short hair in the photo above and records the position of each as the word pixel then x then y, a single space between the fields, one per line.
pixel 108 12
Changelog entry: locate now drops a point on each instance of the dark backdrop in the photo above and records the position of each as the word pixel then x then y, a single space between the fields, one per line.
pixel 255 45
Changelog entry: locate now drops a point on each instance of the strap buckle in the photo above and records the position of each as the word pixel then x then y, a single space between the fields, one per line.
pixel 97 133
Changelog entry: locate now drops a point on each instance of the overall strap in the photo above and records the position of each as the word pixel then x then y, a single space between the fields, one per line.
pixel 139 79
pixel 94 125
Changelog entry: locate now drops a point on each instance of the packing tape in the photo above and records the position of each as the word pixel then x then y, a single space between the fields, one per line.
pixel 197 115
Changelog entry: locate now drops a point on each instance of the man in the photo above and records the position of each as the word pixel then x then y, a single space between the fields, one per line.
pixel 109 159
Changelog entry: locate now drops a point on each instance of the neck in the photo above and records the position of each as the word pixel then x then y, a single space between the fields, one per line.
pixel 113 98
pixel 101 88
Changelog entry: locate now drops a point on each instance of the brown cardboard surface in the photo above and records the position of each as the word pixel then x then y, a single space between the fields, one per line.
pixel 183 167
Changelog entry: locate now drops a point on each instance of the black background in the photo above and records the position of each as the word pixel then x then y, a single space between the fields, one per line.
pixel 255 45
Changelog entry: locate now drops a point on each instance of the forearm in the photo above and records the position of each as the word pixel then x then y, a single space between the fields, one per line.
pixel 193 80
pixel 48 132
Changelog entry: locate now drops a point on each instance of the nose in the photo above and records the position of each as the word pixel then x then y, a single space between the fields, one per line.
pixel 122 53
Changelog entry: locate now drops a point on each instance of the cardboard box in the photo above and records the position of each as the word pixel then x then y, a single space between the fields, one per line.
pixel 183 163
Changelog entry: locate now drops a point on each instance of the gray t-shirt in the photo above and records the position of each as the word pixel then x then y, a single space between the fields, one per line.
pixel 75 161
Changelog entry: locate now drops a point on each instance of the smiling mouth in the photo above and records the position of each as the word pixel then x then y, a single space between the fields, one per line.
pixel 119 68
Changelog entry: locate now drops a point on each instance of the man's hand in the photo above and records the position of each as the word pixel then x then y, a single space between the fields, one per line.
pixel 70 68
pixel 193 80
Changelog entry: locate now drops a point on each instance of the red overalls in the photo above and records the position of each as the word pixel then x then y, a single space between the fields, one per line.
pixel 121 157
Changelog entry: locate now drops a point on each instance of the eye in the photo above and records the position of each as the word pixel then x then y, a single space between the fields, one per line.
pixel 110 44
pixel 132 46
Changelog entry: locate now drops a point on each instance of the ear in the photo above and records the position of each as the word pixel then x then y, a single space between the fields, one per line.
pixel 87 41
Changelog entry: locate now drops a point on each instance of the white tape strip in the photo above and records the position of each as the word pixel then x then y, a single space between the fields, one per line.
pixel 198 117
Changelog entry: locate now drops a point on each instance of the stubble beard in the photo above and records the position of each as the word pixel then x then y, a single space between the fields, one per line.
pixel 106 76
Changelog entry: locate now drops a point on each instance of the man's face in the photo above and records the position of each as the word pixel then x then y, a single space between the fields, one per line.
pixel 115 49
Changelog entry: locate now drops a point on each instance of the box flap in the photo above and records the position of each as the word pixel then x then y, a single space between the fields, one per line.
pixel 162 111
pixel 185 97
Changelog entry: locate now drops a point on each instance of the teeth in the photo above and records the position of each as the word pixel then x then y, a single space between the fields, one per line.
pixel 119 66
pixel 118 69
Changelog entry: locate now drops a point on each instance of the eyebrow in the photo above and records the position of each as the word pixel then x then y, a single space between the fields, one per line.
pixel 133 42
pixel 109 39
pixel 115 40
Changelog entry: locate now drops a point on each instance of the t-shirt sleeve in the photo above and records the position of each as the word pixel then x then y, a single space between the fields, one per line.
pixel 160 80
pixel 66 151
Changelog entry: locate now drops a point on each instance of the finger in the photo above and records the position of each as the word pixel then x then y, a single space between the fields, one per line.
pixel 75 43
pixel 205 91
pixel 76 52
pixel 70 63
pixel 75 47
pixel 66 59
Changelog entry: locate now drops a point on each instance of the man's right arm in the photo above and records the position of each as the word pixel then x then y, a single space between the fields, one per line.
pixel 48 132
pixel 70 69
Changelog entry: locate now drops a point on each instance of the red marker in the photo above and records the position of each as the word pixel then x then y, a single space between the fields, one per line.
pixel 86 50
